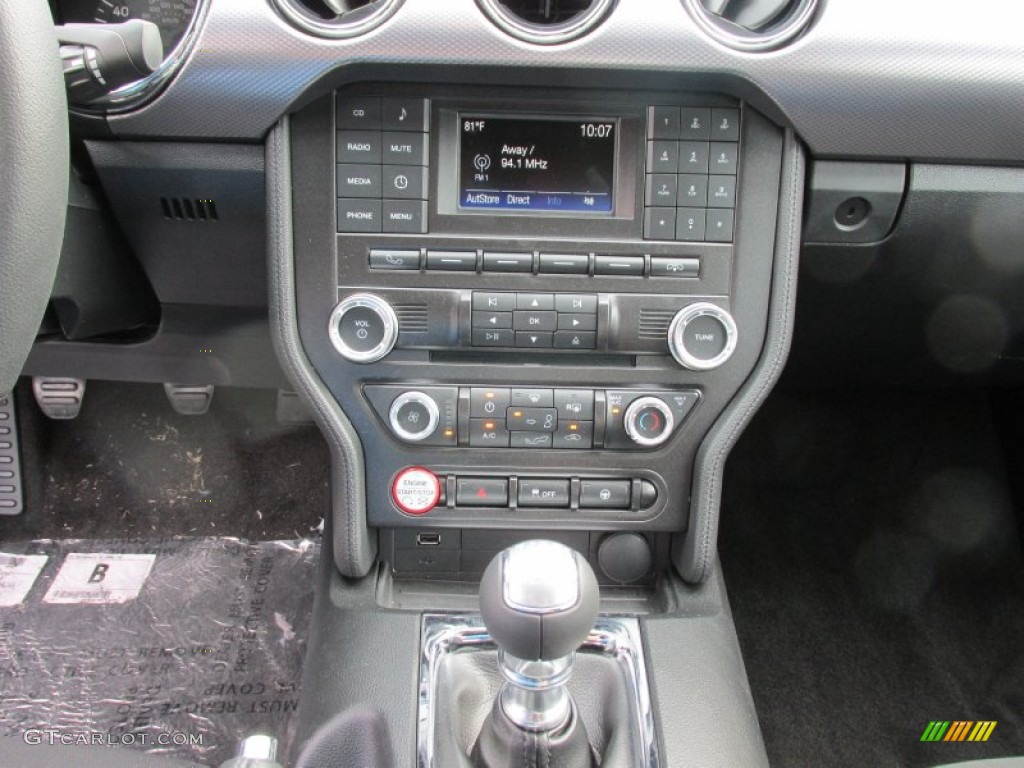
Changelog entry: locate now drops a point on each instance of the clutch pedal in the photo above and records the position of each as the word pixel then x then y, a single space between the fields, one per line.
pixel 59 398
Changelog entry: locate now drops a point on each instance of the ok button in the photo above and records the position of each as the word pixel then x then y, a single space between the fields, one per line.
pixel 524 320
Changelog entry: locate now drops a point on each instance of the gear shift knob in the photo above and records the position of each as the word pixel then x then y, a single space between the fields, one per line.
pixel 539 600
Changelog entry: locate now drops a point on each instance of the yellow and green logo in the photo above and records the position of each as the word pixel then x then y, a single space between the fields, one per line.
pixel 958 730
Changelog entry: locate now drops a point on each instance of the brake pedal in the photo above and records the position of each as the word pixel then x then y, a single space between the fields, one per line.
pixel 189 400
pixel 11 502
pixel 59 398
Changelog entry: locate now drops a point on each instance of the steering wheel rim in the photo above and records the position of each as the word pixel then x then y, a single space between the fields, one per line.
pixel 33 175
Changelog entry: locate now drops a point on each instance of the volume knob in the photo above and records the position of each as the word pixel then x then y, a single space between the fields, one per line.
pixel 702 336
pixel 363 328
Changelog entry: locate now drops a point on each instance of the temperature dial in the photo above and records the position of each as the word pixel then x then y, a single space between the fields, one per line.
pixel 702 336
pixel 414 416
pixel 649 421
pixel 363 328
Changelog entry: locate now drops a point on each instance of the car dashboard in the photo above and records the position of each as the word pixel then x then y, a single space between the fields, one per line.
pixel 533 267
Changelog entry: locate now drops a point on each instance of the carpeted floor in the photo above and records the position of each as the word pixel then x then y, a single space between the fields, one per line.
pixel 875 568
pixel 129 466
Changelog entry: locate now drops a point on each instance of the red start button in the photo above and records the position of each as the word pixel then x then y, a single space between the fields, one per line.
pixel 416 490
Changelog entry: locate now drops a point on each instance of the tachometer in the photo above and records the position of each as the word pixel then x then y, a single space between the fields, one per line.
pixel 171 16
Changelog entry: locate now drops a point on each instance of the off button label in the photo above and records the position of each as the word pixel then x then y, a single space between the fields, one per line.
pixel 416 490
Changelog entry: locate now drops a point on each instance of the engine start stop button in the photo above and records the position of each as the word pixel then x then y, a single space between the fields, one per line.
pixel 416 490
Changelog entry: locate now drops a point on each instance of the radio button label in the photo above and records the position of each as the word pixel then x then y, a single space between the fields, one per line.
pixel 494 302
pixel 696 123
pixel 359 112
pixel 357 215
pixel 575 340
pixel 405 148
pixel 577 303
pixel 533 339
pixel 483 337
pixel 405 182
pixel 359 181
pixel 359 147
pixel 535 321
pixel 565 263
pixel 662 156
pixel 535 301
pixel 405 216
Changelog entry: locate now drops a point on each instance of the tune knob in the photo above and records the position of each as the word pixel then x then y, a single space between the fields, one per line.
pixel 702 336
pixel 363 328
pixel 414 416
pixel 649 421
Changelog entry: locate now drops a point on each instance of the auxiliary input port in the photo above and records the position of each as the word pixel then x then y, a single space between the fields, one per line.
pixel 428 539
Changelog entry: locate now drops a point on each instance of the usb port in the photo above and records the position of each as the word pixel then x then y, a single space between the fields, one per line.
pixel 428 539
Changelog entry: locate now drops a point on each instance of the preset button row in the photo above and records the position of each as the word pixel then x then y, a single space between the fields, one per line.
pixel 602 265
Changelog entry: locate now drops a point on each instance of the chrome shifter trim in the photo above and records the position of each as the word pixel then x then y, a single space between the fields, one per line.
pixel 534 695
pixel 614 637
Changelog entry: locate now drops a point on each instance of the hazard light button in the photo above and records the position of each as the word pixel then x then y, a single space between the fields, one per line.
pixel 481 492
pixel 416 491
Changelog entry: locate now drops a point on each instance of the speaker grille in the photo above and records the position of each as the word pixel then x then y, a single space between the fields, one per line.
pixel 654 323
pixel 412 318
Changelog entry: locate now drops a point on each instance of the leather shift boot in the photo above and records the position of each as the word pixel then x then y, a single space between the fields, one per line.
pixel 502 744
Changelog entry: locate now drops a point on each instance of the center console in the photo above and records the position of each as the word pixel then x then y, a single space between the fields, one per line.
pixel 528 315
pixel 532 307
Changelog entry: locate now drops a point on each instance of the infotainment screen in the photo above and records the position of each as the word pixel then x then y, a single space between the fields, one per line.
pixel 545 164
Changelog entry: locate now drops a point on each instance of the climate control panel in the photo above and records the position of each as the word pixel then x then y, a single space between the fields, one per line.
pixel 531 417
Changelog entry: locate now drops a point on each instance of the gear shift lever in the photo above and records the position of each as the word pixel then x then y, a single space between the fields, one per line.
pixel 539 600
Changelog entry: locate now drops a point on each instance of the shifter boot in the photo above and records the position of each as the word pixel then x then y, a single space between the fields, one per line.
pixel 502 744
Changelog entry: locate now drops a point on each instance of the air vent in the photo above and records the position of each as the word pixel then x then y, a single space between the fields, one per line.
pixel 546 21
pixel 189 209
pixel 337 18
pixel 753 25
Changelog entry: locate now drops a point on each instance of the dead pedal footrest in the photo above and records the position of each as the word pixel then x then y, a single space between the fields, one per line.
pixel 11 502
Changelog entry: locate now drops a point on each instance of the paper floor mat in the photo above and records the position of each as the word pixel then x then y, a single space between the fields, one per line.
pixel 177 647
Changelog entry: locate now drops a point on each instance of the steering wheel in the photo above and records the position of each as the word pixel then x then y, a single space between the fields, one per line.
pixel 33 175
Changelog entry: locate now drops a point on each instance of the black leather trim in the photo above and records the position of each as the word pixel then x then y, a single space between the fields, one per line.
pixel 700 691
pixel 694 554
pixel 354 548
pixel 503 745
pixel 355 737
pixel 33 176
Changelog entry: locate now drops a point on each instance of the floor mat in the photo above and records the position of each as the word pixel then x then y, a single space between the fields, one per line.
pixel 174 646
pixel 876 574
pixel 129 466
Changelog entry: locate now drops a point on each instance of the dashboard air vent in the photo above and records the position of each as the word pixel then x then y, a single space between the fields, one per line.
pixel 753 25
pixel 546 21
pixel 336 18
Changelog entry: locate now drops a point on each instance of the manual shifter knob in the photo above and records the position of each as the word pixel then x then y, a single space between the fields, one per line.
pixel 539 600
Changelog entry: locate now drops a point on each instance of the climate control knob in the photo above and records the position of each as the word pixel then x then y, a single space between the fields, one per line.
pixel 414 416
pixel 363 328
pixel 649 421
pixel 702 336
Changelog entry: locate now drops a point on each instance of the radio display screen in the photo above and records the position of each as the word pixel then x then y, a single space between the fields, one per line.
pixel 538 164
